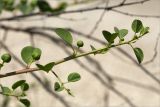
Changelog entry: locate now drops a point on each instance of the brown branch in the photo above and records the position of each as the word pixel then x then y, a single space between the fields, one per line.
pixel 98 21
pixel 36 32
pixel 135 15
pixel 155 52
pixel 71 11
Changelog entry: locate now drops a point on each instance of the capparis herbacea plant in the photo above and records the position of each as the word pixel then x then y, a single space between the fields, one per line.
pixel 31 54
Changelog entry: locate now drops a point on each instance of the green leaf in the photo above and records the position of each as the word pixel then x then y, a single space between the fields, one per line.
pixel 26 102
pixel 9 5
pixel 139 54
pixel 46 67
pixel 24 87
pixel 26 54
pixel 33 2
pixel 25 8
pixel 144 31
pixel 122 33
pixel 18 84
pixel 137 26
pixel 62 6
pixel 1 5
pixel 29 54
pixel 57 87
pixel 65 35
pixel 109 37
pixel 73 77
pixel 6 90
pixel 44 6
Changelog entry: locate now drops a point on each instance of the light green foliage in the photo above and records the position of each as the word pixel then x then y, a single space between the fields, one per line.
pixel 36 54
pixel 30 54
pixel 29 6
pixel 6 91
pixel 65 35
pixel 122 33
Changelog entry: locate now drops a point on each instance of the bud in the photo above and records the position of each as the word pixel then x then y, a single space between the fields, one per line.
pixel 6 58
pixel 80 43
pixel 36 54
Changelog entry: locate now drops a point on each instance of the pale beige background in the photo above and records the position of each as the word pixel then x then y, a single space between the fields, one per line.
pixel 91 91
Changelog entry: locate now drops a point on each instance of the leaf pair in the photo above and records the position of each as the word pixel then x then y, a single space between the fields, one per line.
pixel 137 27
pixel 24 87
pixel 109 37
pixel 46 67
pixel 72 77
pixel 121 33
pixel 22 84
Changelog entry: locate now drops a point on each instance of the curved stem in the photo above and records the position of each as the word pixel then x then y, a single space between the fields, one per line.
pixel 28 70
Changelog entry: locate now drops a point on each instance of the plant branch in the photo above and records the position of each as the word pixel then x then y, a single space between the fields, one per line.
pixel 27 70
pixel 71 11
pixel 135 15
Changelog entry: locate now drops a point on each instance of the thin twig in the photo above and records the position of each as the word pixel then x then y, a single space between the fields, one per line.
pixel 71 11
pixel 98 21
pixel 27 70
pixel 135 15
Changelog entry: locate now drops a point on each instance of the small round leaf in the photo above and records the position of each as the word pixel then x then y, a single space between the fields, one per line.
pixel 26 102
pixel 73 77
pixel 65 35
pixel 122 33
pixel 57 87
pixel 137 26
pixel 26 54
